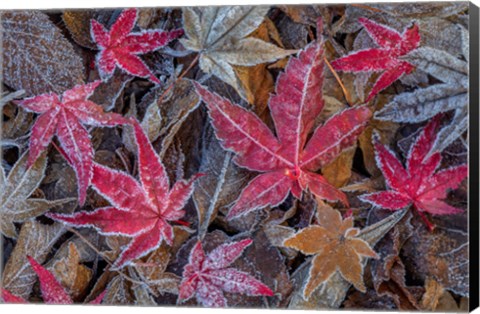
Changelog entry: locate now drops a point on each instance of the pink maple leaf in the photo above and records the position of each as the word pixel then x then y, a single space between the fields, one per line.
pixel 419 184
pixel 207 277
pixel 120 47
pixel 384 59
pixel 142 210
pixel 52 290
pixel 286 161
pixel 64 117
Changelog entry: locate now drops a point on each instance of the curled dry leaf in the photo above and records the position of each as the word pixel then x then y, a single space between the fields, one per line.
pixel 29 62
pixel 218 35
pixel 15 204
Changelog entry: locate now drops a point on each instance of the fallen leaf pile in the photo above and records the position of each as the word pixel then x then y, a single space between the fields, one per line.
pixel 297 157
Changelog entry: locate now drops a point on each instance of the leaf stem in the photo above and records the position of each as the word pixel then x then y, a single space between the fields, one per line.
pixel 348 98
pixel 169 88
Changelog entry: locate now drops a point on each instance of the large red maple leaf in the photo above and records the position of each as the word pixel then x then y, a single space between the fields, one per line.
pixel 52 290
pixel 384 59
pixel 419 184
pixel 141 211
pixel 206 277
pixel 286 161
pixel 64 117
pixel 120 47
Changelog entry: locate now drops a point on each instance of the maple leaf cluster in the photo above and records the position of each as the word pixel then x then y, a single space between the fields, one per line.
pixel 288 157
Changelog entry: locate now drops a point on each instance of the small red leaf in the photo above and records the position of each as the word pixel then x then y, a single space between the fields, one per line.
pixel 207 276
pixel 120 47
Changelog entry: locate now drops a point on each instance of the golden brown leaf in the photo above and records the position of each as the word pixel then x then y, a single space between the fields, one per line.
pixel 335 247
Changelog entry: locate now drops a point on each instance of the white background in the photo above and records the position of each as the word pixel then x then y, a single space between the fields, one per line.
pixel 52 4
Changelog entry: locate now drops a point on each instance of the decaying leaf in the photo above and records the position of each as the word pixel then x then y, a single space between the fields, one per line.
pixel 15 204
pixel 36 56
pixel 218 35
pixel 424 103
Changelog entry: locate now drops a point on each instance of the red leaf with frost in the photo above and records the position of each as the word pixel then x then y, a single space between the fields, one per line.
pixel 120 47
pixel 64 117
pixel 140 210
pixel 287 162
pixel 52 290
pixel 207 276
pixel 419 184
pixel 384 59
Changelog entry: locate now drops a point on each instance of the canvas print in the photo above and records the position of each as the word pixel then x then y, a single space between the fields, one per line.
pixel 277 157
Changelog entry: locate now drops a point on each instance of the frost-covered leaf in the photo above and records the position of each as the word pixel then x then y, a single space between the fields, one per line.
pixel 15 204
pixel 207 276
pixel 218 34
pixel 119 47
pixel 64 117
pixel 36 56
pixel 419 183
pixel 335 246
pixel 385 59
pixel 141 211
pixel 287 162
pixel 424 103
pixel 333 292
pixel 36 240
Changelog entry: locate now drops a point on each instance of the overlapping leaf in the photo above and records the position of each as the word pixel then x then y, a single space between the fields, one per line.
pixel 218 35
pixel 15 190
pixel 64 117
pixel 52 290
pixel 119 47
pixel 140 211
pixel 419 184
pixel 36 56
pixel 384 59
pixel 207 276
pixel 336 247
pixel 424 103
pixel 287 162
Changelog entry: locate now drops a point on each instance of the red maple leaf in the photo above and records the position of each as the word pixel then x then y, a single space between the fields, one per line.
pixel 64 117
pixel 287 162
pixel 119 47
pixel 52 290
pixel 384 59
pixel 207 277
pixel 419 184
pixel 140 210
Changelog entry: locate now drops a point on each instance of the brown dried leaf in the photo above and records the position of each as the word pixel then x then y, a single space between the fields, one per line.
pixel 72 275
pixel 339 171
pixel 35 240
pixel 36 56
pixel 432 295
pixel 15 204
pixel 78 23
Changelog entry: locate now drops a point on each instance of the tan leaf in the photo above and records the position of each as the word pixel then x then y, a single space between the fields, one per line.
pixel 335 247
pixel 36 56
pixel 72 275
pixel 339 171
pixel 15 204
pixel 432 295
pixel 218 34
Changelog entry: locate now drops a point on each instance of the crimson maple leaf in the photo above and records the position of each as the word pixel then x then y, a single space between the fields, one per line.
pixel 207 277
pixel 63 116
pixel 419 184
pixel 141 211
pixel 286 163
pixel 386 58
pixel 119 47
pixel 52 290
